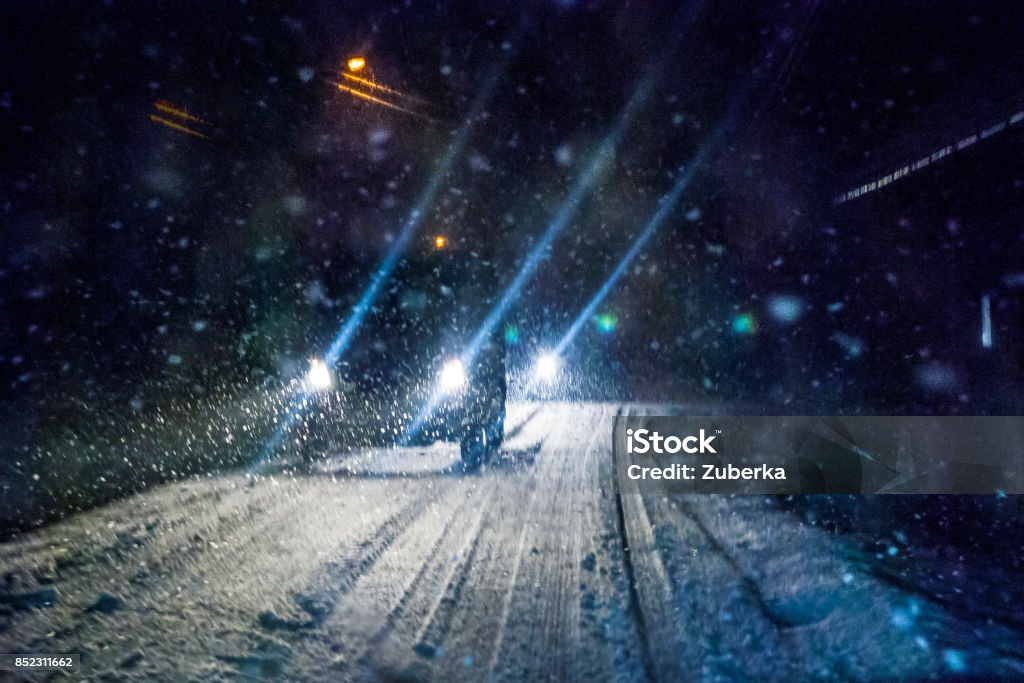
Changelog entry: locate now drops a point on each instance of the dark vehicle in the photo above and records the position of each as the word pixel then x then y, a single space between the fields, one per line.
pixel 411 374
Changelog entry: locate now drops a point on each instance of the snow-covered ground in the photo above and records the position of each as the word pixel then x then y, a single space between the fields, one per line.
pixel 393 564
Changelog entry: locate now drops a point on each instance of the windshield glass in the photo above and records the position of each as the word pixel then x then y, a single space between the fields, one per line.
pixel 507 340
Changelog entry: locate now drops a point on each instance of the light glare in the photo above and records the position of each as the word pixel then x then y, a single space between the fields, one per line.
pixel 319 376
pixel 546 367
pixel 453 375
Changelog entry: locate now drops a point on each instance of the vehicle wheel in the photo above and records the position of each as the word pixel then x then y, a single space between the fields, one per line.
pixel 481 442
pixel 312 447
pixel 496 434
pixel 473 447
pixel 421 439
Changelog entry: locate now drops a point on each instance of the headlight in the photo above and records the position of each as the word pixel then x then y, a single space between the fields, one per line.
pixel 545 368
pixel 452 375
pixel 319 376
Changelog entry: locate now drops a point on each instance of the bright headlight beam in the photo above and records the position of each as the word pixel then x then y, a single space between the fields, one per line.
pixel 666 205
pixel 668 202
pixel 585 183
pixel 412 222
pixel 351 325
pixel 596 170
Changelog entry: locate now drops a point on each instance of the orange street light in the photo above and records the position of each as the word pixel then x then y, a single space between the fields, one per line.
pixel 356 63
pixel 440 241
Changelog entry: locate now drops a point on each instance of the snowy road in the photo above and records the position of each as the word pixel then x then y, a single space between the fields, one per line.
pixel 390 564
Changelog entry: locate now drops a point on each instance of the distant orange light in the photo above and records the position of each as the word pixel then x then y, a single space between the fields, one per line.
pixel 166 107
pixel 440 241
pixel 176 126
pixel 356 63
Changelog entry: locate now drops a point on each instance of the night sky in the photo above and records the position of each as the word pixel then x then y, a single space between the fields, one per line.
pixel 143 263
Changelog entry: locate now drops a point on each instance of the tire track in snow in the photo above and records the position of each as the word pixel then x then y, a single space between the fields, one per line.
pixel 395 638
pixel 548 623
pixel 136 572
pixel 337 578
pixel 436 625
pixel 513 576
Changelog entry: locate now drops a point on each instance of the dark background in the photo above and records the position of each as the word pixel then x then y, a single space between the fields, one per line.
pixel 144 268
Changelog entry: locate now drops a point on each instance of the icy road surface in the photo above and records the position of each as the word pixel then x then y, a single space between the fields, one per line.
pixel 392 564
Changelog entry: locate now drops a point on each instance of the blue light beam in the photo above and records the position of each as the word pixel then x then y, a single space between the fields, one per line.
pixel 401 245
pixel 666 205
pixel 597 169
pixel 394 254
